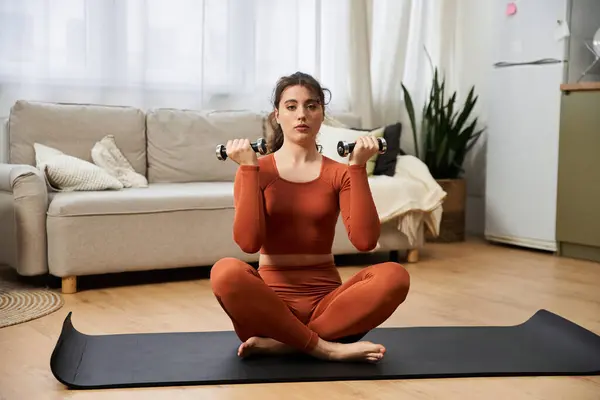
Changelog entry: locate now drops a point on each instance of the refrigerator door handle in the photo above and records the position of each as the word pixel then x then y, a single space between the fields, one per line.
pixel 543 61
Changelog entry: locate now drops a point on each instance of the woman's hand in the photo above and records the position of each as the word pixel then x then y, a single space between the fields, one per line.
pixel 365 148
pixel 240 151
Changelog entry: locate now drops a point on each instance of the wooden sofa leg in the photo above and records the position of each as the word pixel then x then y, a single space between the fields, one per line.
pixel 69 284
pixel 412 255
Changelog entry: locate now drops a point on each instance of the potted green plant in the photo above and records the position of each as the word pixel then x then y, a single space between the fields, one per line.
pixel 445 137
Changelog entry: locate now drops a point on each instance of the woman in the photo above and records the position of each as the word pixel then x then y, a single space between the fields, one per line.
pixel 287 205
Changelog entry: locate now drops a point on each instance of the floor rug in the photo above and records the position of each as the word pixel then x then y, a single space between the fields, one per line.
pixel 21 303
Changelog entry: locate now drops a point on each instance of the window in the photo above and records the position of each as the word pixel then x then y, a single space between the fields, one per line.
pixel 194 49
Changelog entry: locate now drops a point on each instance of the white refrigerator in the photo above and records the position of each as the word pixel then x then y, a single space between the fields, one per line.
pixel 530 50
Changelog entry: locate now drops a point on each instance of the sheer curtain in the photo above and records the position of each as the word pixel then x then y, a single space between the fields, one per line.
pixel 176 53
pixel 405 39
pixel 222 54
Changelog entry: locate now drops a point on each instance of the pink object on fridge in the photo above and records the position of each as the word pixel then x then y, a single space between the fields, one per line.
pixel 511 8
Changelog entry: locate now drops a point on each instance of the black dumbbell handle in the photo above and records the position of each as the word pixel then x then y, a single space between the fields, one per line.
pixel 260 146
pixel 345 148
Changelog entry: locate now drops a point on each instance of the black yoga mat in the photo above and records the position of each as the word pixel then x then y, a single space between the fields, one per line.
pixel 546 344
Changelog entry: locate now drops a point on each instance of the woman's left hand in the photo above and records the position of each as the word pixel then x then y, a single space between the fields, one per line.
pixel 365 148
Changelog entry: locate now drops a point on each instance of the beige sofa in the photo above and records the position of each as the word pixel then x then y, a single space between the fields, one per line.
pixel 182 218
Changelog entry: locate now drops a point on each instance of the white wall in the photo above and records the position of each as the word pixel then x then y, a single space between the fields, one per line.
pixel 473 60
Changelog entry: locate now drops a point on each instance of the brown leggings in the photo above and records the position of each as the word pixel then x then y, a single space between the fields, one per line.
pixel 297 305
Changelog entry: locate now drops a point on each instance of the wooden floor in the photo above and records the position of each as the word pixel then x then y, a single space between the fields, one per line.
pixel 453 284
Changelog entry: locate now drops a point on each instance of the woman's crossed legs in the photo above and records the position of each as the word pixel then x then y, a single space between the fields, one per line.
pixel 265 323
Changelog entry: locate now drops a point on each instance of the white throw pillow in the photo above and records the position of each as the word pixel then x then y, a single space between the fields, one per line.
pixel 108 156
pixel 66 173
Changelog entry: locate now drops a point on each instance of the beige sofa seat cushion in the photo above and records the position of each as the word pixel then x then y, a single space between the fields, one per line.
pixel 157 198
pixel 182 143
pixel 74 129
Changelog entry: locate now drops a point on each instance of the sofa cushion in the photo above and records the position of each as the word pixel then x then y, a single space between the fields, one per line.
pixel 385 164
pixel 158 197
pixel 329 136
pixel 182 143
pixel 66 173
pixel 74 129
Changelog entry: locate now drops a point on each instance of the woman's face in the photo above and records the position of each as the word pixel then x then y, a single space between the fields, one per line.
pixel 300 115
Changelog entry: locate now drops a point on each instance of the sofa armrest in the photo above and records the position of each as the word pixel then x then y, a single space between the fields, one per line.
pixel 23 203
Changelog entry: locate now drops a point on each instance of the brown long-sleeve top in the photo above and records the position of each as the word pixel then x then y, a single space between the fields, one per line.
pixel 277 216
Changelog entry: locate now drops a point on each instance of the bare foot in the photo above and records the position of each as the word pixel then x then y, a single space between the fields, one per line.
pixel 352 352
pixel 263 346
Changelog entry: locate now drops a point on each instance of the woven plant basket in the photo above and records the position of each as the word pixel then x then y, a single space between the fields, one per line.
pixel 452 226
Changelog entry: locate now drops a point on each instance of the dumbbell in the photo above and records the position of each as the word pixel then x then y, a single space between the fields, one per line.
pixel 260 146
pixel 345 148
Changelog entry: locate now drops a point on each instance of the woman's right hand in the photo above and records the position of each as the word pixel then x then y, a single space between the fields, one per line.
pixel 240 151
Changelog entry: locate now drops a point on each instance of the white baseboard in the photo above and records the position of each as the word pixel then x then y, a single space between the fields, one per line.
pixel 523 242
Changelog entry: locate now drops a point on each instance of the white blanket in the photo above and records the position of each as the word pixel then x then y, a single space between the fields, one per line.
pixel 411 197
